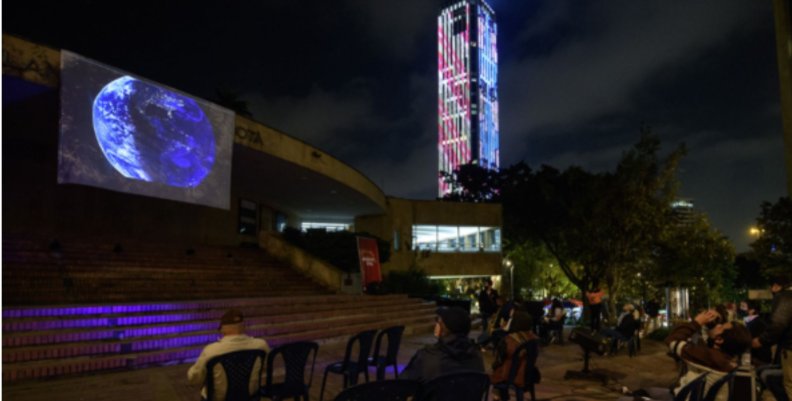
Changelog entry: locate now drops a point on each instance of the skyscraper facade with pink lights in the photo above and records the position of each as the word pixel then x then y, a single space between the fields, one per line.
pixel 467 60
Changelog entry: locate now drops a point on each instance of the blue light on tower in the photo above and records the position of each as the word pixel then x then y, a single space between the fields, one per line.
pixel 467 60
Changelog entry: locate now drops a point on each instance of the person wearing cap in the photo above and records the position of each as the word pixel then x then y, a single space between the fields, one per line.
pixel 625 327
pixel 233 338
pixel 453 351
pixel 520 332
pixel 780 329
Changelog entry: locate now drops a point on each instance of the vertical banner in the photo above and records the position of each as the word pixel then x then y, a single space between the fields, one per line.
pixel 368 253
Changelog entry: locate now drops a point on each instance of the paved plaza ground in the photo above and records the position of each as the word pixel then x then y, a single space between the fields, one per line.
pixel 651 367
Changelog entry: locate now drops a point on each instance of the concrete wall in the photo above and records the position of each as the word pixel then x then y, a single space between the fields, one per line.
pixel 318 270
pixel 35 205
pixel 265 139
pixel 396 226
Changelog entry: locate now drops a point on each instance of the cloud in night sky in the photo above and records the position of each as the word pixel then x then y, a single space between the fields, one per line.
pixel 358 79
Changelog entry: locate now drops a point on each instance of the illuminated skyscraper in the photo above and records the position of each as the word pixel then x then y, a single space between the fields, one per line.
pixel 467 61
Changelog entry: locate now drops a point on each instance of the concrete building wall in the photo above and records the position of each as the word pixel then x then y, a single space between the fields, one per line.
pixel 35 205
pixel 396 227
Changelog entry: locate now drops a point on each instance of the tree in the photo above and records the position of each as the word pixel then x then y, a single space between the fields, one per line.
pixel 694 255
pixel 773 247
pixel 473 183
pixel 598 226
pixel 536 270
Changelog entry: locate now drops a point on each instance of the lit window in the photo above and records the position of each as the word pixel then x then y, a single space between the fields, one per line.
pixel 456 238
pixel 329 227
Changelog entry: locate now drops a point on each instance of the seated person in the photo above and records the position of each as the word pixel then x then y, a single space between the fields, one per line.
pixel 554 321
pixel 756 325
pixel 537 312
pixel 499 326
pixel 452 352
pixel 729 341
pixel 520 332
pixel 626 325
pixel 233 338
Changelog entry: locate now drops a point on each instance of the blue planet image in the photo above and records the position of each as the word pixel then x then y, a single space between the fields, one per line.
pixel 149 133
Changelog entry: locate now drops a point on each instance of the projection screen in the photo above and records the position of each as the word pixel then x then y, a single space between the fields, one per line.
pixel 127 134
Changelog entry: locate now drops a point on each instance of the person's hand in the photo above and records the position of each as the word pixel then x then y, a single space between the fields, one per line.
pixel 706 317
pixel 756 343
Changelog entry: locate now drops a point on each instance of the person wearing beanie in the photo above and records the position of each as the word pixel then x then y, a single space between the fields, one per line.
pixel 233 338
pixel 453 351
pixel 520 332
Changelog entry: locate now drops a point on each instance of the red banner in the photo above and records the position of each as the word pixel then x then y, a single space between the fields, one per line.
pixel 368 252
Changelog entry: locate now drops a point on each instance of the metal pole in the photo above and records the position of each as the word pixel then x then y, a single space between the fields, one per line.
pixel 511 279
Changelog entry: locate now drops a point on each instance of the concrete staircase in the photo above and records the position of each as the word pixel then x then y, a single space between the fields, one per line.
pixel 52 341
pixel 97 271
pixel 90 306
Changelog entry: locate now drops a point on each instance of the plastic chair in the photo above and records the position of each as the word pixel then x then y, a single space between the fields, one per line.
pixel 295 359
pixel 712 392
pixel 239 368
pixel 529 351
pixel 693 390
pixel 394 335
pixel 384 390
pixel 459 386
pixel 350 368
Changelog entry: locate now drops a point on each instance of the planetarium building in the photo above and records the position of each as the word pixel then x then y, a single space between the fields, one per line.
pixel 92 151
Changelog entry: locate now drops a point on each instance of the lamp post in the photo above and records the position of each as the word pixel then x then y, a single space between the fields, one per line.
pixel 510 265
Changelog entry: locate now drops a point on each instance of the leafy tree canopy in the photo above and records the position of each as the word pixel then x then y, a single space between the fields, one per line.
pixel 601 228
pixel 773 247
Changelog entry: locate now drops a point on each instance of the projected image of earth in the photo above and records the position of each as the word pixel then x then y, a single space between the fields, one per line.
pixel 149 133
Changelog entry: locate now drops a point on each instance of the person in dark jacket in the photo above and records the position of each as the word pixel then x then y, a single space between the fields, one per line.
pixel 625 328
pixel 453 351
pixel 756 325
pixel 498 326
pixel 780 329
pixel 488 305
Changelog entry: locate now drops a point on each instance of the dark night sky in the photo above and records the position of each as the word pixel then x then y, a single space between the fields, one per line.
pixel 357 78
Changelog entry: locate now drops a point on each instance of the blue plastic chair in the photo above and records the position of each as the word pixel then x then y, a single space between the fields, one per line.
pixel 394 336
pixel 351 368
pixel 239 368
pixel 295 358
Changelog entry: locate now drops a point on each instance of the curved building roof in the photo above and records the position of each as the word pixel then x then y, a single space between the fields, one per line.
pixel 288 174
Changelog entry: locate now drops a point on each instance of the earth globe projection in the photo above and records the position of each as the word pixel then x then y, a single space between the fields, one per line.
pixel 149 133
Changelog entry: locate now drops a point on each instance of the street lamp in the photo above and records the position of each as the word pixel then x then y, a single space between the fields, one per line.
pixel 754 231
pixel 510 265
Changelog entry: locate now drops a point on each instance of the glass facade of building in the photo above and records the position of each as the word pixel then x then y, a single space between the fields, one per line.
pixel 439 238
